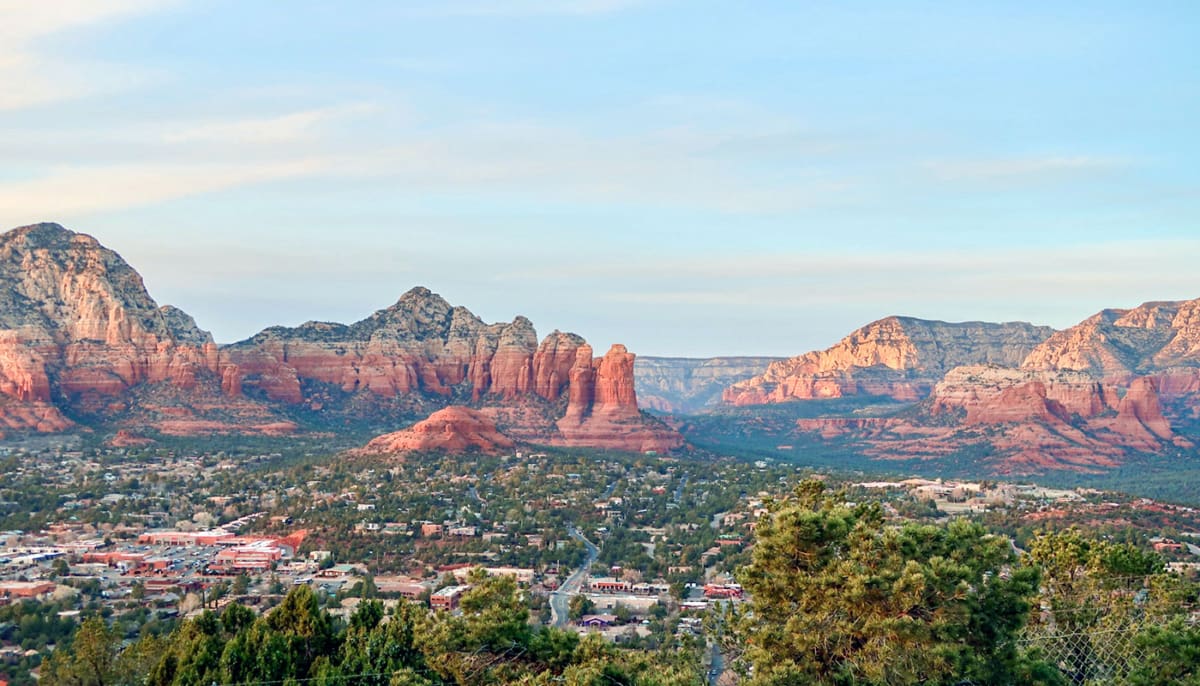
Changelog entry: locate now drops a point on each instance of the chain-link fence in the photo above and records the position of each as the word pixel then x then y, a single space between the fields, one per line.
pixel 1097 636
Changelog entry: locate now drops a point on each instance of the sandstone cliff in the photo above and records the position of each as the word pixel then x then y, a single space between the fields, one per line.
pixel 81 340
pixel 680 385
pixel 423 353
pixel 900 357
pixel 79 333
pixel 1085 398
pixel 1122 343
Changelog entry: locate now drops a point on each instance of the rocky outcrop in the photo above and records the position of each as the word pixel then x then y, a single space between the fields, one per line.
pixel 1026 420
pixel 426 351
pixel 78 331
pixel 679 385
pixel 602 409
pixel 128 439
pixel 899 357
pixel 81 338
pixel 452 429
pixel 1085 398
pixel 1119 344
pixel 987 394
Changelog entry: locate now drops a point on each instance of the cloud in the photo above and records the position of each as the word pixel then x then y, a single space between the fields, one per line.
pixel 1024 169
pixel 22 21
pixel 32 77
pixel 926 283
pixel 73 191
pixel 275 129
pixel 518 8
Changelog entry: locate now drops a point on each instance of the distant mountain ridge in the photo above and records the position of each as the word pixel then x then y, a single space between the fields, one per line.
pixel 1122 381
pixel 684 385
pixel 81 340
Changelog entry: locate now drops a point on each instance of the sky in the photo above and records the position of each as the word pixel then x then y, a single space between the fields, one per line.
pixel 689 178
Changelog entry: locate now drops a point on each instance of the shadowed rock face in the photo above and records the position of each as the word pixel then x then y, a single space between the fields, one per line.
pixel 900 357
pixel 680 385
pixel 81 337
pixel 78 330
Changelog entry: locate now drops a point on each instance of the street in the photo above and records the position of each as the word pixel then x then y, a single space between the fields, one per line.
pixel 562 597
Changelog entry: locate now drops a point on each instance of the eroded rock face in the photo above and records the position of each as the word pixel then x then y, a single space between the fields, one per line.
pixel 424 347
pixel 989 394
pixel 1124 343
pixel 602 409
pixel 1031 420
pixel 452 429
pixel 419 345
pixel 77 329
pixel 80 336
pixel 1121 381
pixel 899 357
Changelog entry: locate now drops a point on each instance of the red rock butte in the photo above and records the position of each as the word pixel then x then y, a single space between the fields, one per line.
pixel 452 429
pixel 82 341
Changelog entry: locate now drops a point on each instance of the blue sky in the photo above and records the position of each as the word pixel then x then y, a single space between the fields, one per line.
pixel 686 177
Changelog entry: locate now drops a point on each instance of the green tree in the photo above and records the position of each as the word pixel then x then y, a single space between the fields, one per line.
pixel 578 606
pixel 241 584
pixel 1094 590
pixel 838 596
pixel 1170 655
pixel 91 661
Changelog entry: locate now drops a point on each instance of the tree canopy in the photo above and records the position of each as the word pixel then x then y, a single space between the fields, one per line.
pixel 840 597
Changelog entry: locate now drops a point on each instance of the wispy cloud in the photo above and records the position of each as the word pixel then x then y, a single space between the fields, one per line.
pixel 502 8
pixel 1024 169
pixel 272 129
pixel 78 190
pixel 32 76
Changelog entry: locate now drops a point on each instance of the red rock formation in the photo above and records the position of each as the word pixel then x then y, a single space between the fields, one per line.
pixel 614 392
pixel 988 394
pixel 452 429
pixel 900 357
pixel 1140 405
pixel 1119 344
pixel 602 408
pixel 553 362
pixel 19 416
pixel 77 329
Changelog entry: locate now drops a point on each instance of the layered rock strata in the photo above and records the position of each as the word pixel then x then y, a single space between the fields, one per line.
pixel 81 340
pixel 899 357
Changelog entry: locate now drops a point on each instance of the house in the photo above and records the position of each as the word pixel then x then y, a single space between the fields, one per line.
pixel 723 591
pixel 1164 545
pixel 609 585
pixel 26 589
pixel 410 589
pixel 448 598
pixel 597 621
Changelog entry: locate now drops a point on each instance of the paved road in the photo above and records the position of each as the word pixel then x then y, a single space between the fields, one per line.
pixel 562 597
pixel 473 494
pixel 716 667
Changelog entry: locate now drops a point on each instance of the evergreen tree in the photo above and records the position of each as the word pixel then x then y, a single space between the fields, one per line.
pixel 838 596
